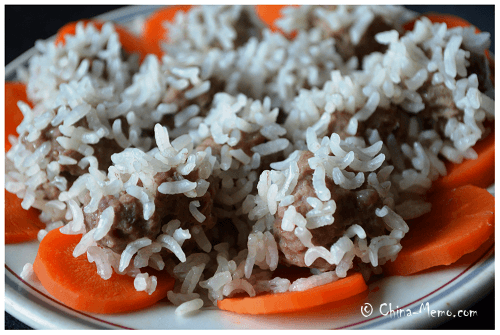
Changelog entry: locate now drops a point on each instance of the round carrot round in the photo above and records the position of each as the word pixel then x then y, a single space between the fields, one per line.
pixel 296 301
pixel 460 221
pixel 20 225
pixel 478 172
pixel 75 282
pixel 70 29
pixel 14 91
pixel 154 30
pixel 269 14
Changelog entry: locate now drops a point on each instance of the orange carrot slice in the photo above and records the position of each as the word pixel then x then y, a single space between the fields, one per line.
pixel 69 29
pixel 75 282
pixel 460 221
pixel 154 30
pixel 14 91
pixel 269 14
pixel 479 172
pixel 296 301
pixel 130 42
pixel 20 225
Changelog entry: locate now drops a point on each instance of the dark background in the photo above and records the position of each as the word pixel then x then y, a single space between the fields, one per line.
pixel 25 24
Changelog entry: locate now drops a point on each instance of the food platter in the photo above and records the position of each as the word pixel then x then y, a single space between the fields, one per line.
pixel 445 289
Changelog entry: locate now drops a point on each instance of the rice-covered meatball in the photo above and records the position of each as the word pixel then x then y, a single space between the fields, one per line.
pixel 352 207
pixel 327 205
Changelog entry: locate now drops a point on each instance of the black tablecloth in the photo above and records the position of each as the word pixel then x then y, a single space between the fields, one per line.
pixel 25 24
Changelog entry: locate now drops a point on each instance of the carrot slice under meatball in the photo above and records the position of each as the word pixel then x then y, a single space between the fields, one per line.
pixel 286 302
pixel 75 282
pixel 154 30
pixel 460 221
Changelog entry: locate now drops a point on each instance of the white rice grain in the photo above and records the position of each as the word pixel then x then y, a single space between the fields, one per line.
pixel 271 147
pixel 193 209
pixel 189 307
pixel 85 242
pixel 201 239
pixel 177 187
pixel 105 223
pixel 27 273
pixel 171 244
pixel 130 250
pixel 303 284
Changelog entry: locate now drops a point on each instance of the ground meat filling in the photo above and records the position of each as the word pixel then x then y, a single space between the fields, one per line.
pixel 245 29
pixel 338 124
pixel 439 107
pixel 353 207
pixel 129 223
pixel 393 120
pixel 367 44
pixel 480 66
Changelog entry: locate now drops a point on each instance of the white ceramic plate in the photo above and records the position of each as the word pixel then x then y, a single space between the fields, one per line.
pixel 420 301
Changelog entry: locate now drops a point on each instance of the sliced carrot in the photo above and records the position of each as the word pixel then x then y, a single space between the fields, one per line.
pixel 20 225
pixel 460 221
pixel 154 30
pixel 14 91
pixel 479 172
pixel 69 29
pixel 75 282
pixel 130 42
pixel 269 14
pixel 296 301
pixel 347 306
